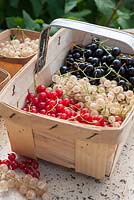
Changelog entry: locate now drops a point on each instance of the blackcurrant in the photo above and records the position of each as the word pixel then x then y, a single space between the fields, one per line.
pixel 95 61
pixel 82 66
pixel 81 52
pixel 70 51
pixel 89 69
pixel 87 53
pixel 94 46
pixel 76 55
pixel 89 60
pixel 116 51
pixel 116 64
pixel 132 80
pixel 109 59
pixel 131 71
pixel 76 51
pixel 98 73
pixel 122 70
pixel 103 59
pixel 99 53
pixel 63 69
pixel 70 60
pixel 129 61
pixel 75 65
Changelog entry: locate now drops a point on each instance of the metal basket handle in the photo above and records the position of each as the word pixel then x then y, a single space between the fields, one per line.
pixel 98 31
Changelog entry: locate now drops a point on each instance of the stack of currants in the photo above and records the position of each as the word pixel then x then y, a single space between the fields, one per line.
pixel 77 100
pixel 97 60
pixel 95 87
pixel 16 49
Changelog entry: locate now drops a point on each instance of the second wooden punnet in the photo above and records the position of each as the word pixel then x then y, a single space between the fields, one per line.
pixel 90 150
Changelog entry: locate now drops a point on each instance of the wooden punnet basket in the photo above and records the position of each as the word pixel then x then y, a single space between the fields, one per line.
pixel 90 150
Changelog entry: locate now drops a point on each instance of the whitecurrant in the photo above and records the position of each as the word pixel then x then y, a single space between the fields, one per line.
pixel 19 49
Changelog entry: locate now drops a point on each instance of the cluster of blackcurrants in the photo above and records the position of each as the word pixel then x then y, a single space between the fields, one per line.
pixel 97 60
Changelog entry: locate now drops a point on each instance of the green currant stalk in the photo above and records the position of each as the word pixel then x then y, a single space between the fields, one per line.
pixel 23 34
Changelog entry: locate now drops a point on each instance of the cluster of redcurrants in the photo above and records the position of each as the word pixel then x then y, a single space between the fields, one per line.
pixel 97 60
pixel 28 166
pixel 51 102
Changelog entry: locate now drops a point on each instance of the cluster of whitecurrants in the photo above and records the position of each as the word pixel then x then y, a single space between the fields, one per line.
pixel 106 99
pixel 16 49
pixel 29 186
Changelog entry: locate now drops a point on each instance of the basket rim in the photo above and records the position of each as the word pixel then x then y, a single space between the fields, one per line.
pixel 8 76
pixel 21 58
pixel 20 29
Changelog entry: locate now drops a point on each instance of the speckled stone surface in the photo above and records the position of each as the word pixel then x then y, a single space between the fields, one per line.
pixel 64 184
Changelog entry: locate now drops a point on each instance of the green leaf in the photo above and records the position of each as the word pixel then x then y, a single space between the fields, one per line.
pixel 53 29
pixel 39 21
pixel 69 5
pixel 123 18
pixel 29 22
pixel 124 15
pixel 79 1
pixel 79 14
pixel 123 23
pixel 105 6
pixel 73 18
pixel 56 8
pixel 14 3
pixel 131 22
pixel 37 7
pixel 13 22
